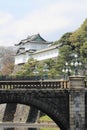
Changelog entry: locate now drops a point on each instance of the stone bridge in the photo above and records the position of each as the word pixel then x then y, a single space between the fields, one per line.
pixel 64 101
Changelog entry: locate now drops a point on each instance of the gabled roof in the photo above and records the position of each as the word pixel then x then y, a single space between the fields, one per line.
pixel 33 38
pixel 36 37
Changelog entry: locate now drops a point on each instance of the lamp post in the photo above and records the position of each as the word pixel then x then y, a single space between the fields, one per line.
pixel 66 70
pixel 36 72
pixel 76 64
pixel 45 70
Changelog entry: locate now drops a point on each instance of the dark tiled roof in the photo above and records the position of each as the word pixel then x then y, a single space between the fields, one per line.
pixel 33 38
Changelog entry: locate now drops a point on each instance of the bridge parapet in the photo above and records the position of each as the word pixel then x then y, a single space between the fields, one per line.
pixel 25 84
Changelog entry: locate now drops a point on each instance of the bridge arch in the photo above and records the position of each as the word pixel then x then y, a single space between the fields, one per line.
pixel 44 107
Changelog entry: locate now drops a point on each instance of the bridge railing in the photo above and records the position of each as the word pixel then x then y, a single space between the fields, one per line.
pixel 25 84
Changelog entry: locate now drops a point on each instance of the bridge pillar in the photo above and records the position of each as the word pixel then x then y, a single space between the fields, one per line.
pixel 77 103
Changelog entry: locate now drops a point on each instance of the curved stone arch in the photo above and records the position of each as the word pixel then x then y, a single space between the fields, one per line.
pixel 44 107
pixel 51 112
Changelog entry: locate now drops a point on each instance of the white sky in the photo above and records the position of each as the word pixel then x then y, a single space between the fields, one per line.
pixel 50 18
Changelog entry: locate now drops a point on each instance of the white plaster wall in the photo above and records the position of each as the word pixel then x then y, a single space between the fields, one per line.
pixel 27 56
pixel 20 59
pixel 38 56
pixel 46 55
pixel 35 46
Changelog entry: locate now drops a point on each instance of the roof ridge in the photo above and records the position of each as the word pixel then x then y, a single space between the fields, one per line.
pixel 32 38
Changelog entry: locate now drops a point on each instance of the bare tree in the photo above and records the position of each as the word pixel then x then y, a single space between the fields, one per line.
pixel 7 60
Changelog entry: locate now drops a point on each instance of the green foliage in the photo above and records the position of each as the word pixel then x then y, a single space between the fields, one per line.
pixel 64 56
pixel 79 37
pixel 65 39
pixel 51 63
pixel 45 118
pixel 65 52
pixel 83 49
pixel 38 68
pixel 79 41
pixel 28 68
pixel 75 42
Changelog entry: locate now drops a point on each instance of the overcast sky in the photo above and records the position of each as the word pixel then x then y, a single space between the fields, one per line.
pixel 50 18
